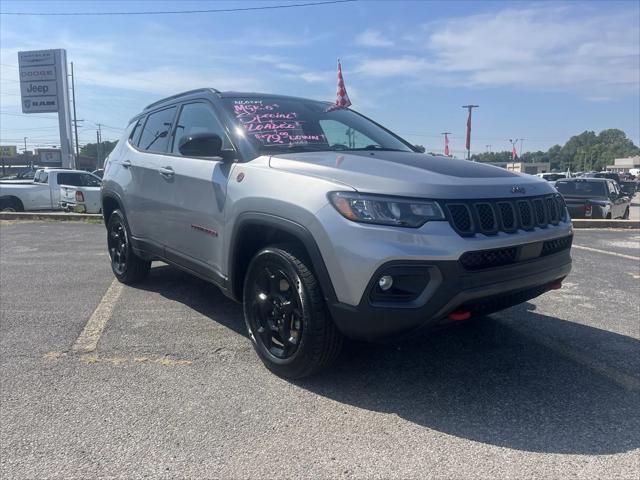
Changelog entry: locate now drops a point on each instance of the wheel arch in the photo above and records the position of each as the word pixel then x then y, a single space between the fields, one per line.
pixel 253 231
pixel 110 202
pixel 13 198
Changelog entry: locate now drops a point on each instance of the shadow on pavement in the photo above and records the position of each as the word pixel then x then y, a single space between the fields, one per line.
pixel 492 380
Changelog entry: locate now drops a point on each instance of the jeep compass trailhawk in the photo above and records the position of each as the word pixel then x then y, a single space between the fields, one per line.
pixel 324 223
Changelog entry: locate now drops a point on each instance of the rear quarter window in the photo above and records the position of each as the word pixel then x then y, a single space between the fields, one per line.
pixel 157 130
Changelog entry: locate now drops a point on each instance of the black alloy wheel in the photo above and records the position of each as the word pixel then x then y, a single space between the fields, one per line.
pixel 285 314
pixel 127 267
pixel 276 312
pixel 118 244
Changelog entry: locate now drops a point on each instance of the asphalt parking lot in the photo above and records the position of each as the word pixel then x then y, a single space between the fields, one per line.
pixel 163 382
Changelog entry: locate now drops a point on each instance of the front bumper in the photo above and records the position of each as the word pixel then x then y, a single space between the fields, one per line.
pixel 450 288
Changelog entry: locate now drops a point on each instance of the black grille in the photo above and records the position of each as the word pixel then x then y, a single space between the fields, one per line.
pixel 489 217
pixel 556 245
pixel 488 258
pixel 499 257
pixel 508 216
pixel 486 218
pixel 541 217
pixel 461 217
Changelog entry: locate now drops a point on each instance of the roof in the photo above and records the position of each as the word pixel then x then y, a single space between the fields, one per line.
pixel 227 94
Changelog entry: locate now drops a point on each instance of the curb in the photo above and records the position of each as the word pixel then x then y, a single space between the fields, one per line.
pixel 588 223
pixel 59 216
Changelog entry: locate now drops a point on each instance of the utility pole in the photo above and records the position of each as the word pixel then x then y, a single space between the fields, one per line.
pixel 521 140
pixel 488 148
pixel 468 143
pixel 98 146
pixel 75 118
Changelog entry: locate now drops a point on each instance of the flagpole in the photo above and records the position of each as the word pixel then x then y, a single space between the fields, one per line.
pixel 468 144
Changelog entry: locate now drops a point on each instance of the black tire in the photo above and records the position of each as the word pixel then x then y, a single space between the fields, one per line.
pixel 127 267
pixel 285 314
pixel 11 205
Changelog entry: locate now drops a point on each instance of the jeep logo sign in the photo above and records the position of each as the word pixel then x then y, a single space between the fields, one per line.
pixel 36 89
pixel 40 75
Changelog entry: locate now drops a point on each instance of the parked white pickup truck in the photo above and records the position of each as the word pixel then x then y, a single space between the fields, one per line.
pixel 44 192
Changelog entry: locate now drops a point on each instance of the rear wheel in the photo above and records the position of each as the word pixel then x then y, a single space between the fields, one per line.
pixel 125 264
pixel 285 314
pixel 11 205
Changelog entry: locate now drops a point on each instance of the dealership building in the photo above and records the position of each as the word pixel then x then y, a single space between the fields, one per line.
pixel 623 165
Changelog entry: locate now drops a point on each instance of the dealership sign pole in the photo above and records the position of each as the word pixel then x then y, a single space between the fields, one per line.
pixel 44 89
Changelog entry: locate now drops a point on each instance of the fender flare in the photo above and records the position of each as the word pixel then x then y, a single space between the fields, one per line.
pixel 300 232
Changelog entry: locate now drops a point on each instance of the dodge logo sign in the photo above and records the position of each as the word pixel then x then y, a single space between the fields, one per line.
pixel 518 189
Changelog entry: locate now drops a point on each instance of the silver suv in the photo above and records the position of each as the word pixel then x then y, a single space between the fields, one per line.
pixel 323 223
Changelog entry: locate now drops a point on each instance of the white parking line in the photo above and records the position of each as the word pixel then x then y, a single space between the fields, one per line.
pixel 589 249
pixel 87 341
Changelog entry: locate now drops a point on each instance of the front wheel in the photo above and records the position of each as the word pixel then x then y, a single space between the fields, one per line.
pixel 127 267
pixel 285 314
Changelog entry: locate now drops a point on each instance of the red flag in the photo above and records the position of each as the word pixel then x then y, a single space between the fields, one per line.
pixel 446 145
pixel 514 154
pixel 468 143
pixel 342 99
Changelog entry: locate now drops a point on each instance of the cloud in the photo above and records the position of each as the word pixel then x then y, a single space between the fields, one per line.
pixel 550 49
pixel 373 38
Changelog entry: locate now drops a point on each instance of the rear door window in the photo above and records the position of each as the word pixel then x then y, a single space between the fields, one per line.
pixel 155 134
pixel 90 180
pixel 70 178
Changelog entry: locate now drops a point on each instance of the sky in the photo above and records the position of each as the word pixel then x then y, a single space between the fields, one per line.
pixel 542 71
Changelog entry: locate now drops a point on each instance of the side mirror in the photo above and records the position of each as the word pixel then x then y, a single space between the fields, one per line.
pixel 201 145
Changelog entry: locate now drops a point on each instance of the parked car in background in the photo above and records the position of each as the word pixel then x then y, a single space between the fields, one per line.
pixel 610 175
pixel 43 192
pixel 630 187
pixel 83 198
pixel 551 177
pixel 594 198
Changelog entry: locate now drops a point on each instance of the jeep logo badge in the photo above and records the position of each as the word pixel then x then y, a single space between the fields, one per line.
pixel 518 189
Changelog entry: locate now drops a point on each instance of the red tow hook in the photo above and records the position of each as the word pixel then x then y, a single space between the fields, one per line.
pixel 459 315
pixel 556 286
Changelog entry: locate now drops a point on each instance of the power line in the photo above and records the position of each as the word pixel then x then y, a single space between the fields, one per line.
pixel 179 12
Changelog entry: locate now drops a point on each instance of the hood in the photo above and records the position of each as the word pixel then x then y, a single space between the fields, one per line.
pixel 412 174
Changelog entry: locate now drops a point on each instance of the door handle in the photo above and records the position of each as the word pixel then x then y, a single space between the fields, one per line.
pixel 166 171
pixel 126 163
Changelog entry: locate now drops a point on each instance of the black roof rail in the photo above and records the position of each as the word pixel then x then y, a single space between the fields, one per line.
pixel 197 90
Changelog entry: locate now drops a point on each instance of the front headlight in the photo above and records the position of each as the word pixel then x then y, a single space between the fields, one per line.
pixel 383 210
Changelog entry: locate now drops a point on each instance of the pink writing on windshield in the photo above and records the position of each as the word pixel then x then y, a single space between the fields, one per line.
pixel 270 124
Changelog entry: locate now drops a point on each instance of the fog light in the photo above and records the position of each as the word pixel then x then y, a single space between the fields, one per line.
pixel 385 282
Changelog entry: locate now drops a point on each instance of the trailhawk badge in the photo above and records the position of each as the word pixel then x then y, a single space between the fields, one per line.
pixel 518 189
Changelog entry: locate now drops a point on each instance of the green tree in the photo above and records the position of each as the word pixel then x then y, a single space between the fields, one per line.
pixel 583 152
pixel 91 149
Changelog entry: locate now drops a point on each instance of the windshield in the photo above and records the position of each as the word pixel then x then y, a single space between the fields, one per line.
pixel 275 124
pixel 582 188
